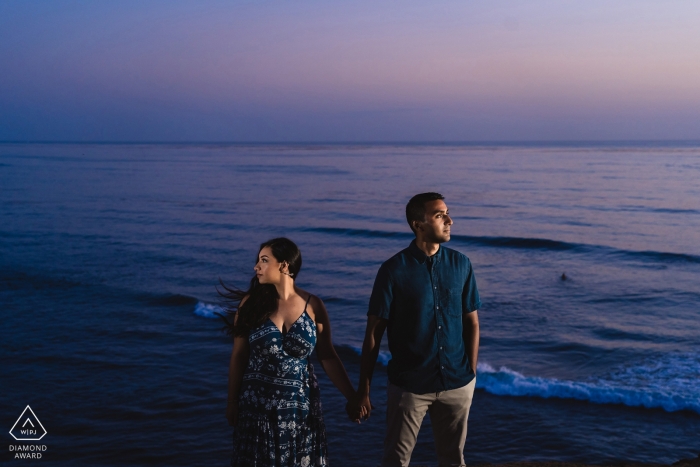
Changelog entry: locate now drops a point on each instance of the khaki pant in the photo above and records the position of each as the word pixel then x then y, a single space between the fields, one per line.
pixel 448 411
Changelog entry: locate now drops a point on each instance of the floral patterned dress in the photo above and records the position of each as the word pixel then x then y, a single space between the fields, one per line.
pixel 280 421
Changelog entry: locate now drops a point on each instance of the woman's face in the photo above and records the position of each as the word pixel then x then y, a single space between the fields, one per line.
pixel 267 268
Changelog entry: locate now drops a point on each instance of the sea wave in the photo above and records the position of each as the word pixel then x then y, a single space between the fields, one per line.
pixel 670 383
pixel 208 310
pixel 525 243
pixel 670 394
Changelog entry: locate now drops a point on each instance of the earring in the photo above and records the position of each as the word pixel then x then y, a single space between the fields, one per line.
pixel 287 273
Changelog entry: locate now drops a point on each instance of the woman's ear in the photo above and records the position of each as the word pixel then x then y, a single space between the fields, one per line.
pixel 283 266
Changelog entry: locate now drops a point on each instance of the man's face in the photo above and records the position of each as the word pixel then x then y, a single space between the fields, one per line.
pixel 436 228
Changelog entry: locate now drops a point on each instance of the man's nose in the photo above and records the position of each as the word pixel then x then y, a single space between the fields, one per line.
pixel 449 220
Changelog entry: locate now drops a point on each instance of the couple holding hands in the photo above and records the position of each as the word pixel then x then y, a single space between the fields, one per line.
pixel 425 297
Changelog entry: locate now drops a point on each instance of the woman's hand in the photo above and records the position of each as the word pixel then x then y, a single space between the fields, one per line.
pixel 232 413
pixel 355 411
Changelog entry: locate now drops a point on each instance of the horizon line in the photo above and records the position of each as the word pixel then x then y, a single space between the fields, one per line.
pixel 490 143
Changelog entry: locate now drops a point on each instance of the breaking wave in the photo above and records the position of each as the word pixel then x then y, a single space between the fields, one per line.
pixel 208 310
pixel 671 384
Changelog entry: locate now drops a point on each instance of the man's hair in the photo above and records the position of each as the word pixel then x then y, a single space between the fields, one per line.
pixel 415 209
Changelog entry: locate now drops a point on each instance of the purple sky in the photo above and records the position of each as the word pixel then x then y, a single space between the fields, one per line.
pixel 349 71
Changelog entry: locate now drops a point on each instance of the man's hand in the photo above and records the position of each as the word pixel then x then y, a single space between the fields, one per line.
pixel 365 405
pixel 355 411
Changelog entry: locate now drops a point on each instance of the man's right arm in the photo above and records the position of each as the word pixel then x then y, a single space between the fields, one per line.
pixel 377 318
pixel 370 352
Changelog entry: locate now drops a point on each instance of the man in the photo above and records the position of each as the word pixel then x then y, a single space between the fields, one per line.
pixel 426 297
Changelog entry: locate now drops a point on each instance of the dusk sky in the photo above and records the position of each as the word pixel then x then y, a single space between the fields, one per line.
pixel 275 71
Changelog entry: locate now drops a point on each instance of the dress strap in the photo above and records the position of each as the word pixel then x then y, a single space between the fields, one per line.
pixel 307 303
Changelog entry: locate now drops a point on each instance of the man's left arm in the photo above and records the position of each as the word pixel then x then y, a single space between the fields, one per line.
pixel 470 335
pixel 470 317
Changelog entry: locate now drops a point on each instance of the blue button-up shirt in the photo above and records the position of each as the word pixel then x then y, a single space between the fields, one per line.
pixel 424 299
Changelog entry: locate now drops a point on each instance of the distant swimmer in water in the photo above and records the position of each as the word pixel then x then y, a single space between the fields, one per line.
pixel 563 276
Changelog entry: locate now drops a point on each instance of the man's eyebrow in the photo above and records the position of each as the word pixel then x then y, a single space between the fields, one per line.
pixel 438 211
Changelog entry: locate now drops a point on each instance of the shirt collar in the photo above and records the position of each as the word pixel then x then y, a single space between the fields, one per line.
pixel 421 256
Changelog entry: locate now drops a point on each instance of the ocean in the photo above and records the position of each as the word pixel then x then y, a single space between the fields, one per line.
pixel 110 255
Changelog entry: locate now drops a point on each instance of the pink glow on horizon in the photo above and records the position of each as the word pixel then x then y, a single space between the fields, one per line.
pixel 548 61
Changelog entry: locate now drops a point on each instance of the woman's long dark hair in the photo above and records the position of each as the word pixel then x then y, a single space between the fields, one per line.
pixel 262 298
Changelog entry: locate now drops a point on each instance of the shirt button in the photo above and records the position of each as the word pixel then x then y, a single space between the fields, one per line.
pixel 440 347
pixel 442 367
pixel 437 307
pixel 439 327
pixel 435 287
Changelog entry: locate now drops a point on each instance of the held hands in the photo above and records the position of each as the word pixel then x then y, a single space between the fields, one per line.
pixel 358 408
pixel 354 411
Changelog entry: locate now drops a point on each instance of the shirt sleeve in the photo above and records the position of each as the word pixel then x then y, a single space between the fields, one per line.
pixel 382 295
pixel 470 294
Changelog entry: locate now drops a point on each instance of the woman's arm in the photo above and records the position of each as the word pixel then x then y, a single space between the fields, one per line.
pixel 237 365
pixel 326 352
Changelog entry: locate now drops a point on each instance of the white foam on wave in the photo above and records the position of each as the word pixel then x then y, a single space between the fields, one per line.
pixel 670 384
pixel 382 358
pixel 208 310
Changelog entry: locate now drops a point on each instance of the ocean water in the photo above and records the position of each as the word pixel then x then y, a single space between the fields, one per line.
pixel 110 256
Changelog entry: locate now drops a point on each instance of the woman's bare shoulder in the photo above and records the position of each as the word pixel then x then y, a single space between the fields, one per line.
pixel 315 304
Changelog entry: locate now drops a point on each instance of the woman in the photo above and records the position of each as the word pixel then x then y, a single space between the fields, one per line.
pixel 273 396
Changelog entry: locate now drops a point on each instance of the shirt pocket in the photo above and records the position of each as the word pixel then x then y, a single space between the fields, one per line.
pixel 452 300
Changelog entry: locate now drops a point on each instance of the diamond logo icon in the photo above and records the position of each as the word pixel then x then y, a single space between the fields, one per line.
pixel 28 427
